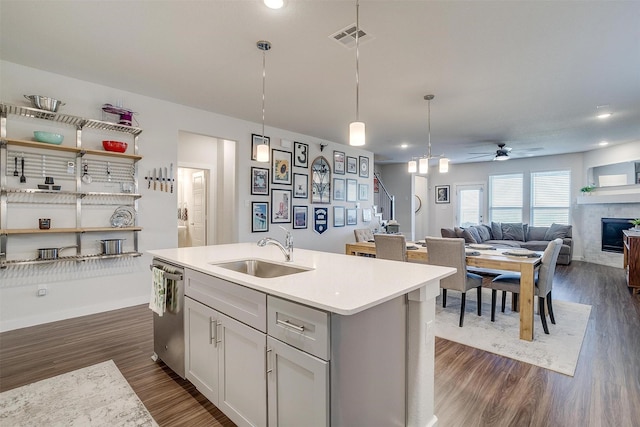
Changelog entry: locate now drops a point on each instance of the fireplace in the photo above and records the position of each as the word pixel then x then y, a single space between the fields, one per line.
pixel 612 233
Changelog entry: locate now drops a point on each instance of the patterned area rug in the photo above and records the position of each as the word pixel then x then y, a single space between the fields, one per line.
pixel 558 351
pixel 97 395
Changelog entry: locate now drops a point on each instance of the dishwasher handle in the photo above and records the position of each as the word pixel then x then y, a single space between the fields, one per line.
pixel 167 275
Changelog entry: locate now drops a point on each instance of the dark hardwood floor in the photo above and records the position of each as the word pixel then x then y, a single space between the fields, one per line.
pixel 473 387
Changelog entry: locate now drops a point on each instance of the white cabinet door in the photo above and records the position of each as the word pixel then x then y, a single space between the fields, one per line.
pixel 298 387
pixel 201 349
pixel 243 385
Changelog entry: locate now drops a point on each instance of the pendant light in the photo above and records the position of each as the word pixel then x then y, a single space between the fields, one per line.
pixel 423 162
pixel 356 129
pixel 262 151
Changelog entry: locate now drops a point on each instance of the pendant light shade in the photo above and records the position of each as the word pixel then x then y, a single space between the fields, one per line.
pixel 423 165
pixel 356 128
pixel 262 151
pixel 412 166
pixel 443 165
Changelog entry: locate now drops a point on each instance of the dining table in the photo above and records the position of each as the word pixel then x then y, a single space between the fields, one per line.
pixel 490 258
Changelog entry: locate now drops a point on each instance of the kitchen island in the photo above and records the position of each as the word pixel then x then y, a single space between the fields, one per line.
pixel 344 341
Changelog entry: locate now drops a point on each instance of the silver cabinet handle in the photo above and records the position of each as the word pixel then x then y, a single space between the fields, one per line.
pixel 213 331
pixel 288 324
pixel 269 369
pixel 218 341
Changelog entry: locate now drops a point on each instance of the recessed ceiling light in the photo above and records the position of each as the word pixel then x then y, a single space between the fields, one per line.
pixel 604 115
pixel 404 145
pixel 274 4
pixel 603 143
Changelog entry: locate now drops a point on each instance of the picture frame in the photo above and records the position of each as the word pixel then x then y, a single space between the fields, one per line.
pixel 366 215
pixel 300 154
pixel 352 216
pixel 280 206
pixel 338 189
pixel 442 193
pixel 352 165
pixel 280 167
pixel 259 217
pixel 259 181
pixel 258 140
pixel 300 186
pixel 338 216
pixel 364 167
pixel 320 181
pixel 300 216
pixel 338 162
pixel 352 190
pixel 363 192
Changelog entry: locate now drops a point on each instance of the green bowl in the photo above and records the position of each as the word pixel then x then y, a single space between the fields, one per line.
pixel 48 137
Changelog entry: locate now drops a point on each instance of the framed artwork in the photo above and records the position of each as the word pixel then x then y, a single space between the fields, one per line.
pixel 320 220
pixel 364 167
pixel 338 216
pixel 338 189
pixel 352 165
pixel 320 181
pixel 366 215
pixel 300 216
pixel 363 192
pixel 259 217
pixel 352 216
pixel 352 190
pixel 255 141
pixel 338 162
pixel 300 154
pixel 300 185
pixel 260 181
pixel 280 167
pixel 280 206
pixel 442 194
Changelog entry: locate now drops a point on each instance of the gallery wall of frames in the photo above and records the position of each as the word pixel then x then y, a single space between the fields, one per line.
pixel 310 186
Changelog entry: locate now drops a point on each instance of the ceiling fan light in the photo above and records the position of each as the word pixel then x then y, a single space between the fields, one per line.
pixel 423 166
pixel 356 134
pixel 412 166
pixel 501 157
pixel 262 153
pixel 274 4
pixel 443 165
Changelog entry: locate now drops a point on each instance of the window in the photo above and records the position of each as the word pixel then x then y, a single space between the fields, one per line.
pixel 550 197
pixel 505 198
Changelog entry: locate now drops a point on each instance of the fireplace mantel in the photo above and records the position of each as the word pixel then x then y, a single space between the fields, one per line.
pixel 604 198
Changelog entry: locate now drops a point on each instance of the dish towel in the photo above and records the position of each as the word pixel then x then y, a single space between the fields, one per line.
pixel 158 291
pixel 172 300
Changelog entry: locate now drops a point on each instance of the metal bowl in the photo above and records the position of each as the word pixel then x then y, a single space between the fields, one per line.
pixel 44 103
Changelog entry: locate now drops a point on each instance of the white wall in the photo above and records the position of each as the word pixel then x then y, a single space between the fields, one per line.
pixel 399 183
pixel 106 285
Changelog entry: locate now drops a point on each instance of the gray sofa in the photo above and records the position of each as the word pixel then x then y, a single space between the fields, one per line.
pixel 517 235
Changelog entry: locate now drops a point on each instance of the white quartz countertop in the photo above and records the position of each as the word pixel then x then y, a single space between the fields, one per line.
pixel 338 283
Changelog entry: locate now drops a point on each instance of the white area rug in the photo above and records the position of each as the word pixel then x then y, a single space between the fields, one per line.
pixel 557 351
pixel 97 395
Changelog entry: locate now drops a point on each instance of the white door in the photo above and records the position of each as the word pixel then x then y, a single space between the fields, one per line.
pixel 470 200
pixel 199 214
pixel 298 387
pixel 201 348
pixel 243 384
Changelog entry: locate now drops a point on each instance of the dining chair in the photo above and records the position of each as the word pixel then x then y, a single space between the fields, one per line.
pixel 363 234
pixel 510 282
pixel 449 252
pixel 391 246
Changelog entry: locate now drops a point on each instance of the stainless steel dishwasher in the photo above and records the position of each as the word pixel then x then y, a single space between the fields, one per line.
pixel 168 329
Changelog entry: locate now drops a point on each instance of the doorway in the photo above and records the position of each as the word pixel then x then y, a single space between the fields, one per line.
pixel 470 204
pixel 192 207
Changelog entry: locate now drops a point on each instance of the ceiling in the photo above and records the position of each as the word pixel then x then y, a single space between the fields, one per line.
pixel 527 73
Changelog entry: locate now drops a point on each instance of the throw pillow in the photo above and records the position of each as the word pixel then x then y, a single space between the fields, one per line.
pixel 496 230
pixel 557 231
pixel 448 232
pixel 476 235
pixel 484 232
pixel 513 231
pixel 458 231
pixel 468 237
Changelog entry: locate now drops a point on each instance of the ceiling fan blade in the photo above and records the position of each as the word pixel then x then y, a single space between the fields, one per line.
pixel 477 157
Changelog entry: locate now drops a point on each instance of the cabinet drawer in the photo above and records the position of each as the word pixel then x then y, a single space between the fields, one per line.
pixel 236 301
pixel 300 326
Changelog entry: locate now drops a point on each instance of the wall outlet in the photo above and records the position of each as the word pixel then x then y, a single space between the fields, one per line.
pixel 42 290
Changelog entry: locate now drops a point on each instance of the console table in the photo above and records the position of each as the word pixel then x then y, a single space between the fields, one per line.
pixel 631 252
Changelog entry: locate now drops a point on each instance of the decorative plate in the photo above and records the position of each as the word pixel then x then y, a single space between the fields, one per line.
pixel 479 246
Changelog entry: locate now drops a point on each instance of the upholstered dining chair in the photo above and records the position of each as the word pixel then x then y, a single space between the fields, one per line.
pixel 391 246
pixel 510 282
pixel 363 234
pixel 449 252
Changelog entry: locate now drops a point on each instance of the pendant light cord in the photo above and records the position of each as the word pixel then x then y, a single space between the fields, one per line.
pixel 357 61
pixel 429 128
pixel 264 74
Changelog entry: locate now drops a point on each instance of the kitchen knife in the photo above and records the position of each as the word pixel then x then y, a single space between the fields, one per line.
pixel 149 179
pixel 166 177
pixel 154 179
pixel 171 176
pixel 160 178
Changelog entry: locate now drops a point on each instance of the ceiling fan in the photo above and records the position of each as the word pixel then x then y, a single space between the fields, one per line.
pixel 502 153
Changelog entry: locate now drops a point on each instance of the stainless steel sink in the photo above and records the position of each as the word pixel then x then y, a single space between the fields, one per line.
pixel 260 268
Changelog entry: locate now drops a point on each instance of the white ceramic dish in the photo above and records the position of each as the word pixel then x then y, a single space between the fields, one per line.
pixel 479 246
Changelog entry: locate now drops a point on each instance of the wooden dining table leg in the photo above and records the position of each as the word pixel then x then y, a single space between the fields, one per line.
pixel 526 301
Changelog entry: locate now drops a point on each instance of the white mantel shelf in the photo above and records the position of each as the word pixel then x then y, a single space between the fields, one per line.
pixel 595 199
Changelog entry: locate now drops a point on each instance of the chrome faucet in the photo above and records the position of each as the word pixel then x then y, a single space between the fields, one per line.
pixel 287 248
